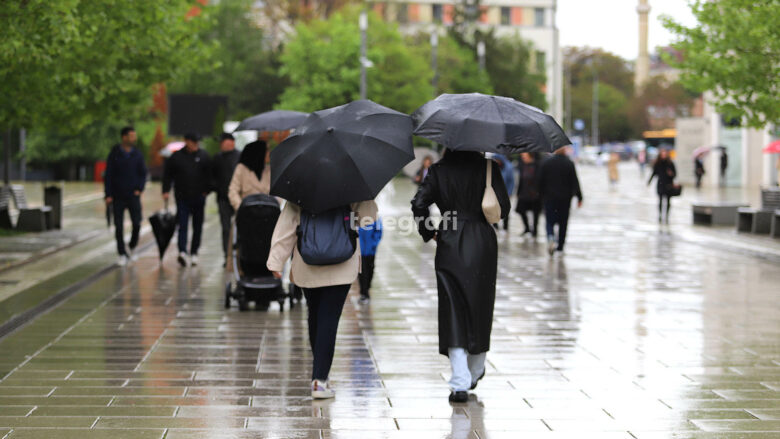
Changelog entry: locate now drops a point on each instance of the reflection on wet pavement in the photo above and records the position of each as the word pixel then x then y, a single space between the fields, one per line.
pixel 632 334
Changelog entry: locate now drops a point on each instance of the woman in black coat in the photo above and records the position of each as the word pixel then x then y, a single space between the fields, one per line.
pixel 528 198
pixel 466 258
pixel 664 169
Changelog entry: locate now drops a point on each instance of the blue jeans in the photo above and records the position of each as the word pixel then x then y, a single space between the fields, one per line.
pixel 185 209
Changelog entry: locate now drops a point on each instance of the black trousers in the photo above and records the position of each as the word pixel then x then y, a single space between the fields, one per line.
pixel 225 217
pixel 366 274
pixel 325 306
pixel 536 208
pixel 557 212
pixel 133 205
pixel 184 210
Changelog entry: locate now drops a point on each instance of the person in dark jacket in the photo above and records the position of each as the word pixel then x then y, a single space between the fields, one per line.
pixel 189 171
pixel 423 171
pixel 223 166
pixel 466 258
pixel 125 179
pixel 664 169
pixel 528 198
pixel 508 174
pixel 698 164
pixel 558 184
pixel 369 236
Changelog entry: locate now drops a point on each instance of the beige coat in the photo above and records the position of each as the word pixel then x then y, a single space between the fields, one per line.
pixel 283 244
pixel 245 183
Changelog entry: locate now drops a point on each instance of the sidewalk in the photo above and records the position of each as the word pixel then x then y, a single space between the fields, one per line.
pixel 635 333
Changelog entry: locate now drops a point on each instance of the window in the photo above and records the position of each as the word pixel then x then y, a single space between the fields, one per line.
pixel 506 16
pixel 438 13
pixel 539 17
pixel 403 13
pixel 541 62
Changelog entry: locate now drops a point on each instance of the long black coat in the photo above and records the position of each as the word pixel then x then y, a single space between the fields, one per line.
pixel 466 252
pixel 665 171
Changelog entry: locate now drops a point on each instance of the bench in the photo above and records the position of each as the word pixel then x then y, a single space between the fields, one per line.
pixel 774 231
pixel 716 214
pixel 760 221
pixel 31 219
pixel 5 208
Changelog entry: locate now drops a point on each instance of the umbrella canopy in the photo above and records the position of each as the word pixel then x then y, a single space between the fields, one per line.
pixel 478 122
pixel 163 227
pixel 170 148
pixel 701 151
pixel 276 120
pixel 341 155
pixel 773 148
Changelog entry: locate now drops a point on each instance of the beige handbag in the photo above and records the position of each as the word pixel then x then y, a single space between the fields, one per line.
pixel 490 206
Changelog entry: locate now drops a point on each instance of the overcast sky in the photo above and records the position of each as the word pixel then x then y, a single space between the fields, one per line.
pixel 612 24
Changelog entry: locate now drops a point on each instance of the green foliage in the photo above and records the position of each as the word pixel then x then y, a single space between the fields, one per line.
pixel 92 142
pixel 322 62
pixel 458 71
pixel 245 68
pixel 66 63
pixel 508 63
pixel 734 52
pixel 666 100
pixel 616 87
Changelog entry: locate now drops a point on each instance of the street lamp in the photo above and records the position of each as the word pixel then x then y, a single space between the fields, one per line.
pixel 434 61
pixel 363 59
pixel 594 129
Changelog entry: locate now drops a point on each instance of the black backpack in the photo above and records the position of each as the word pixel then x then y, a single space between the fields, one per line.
pixel 326 238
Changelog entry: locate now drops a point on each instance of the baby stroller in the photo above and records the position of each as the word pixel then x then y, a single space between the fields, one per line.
pixel 251 243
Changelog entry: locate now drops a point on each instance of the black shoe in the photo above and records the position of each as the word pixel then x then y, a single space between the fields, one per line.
pixel 459 396
pixel 474 384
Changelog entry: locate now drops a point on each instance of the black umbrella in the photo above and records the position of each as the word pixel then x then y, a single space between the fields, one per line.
pixel 163 227
pixel 341 155
pixel 276 120
pixel 477 122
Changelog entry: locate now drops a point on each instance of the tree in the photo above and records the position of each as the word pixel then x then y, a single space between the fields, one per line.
pixel 616 88
pixel 734 53
pixel 245 66
pixel 322 62
pixel 659 105
pixel 66 63
pixel 457 68
pixel 508 63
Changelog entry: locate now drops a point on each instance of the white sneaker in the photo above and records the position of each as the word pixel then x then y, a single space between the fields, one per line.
pixel 182 259
pixel 122 261
pixel 551 246
pixel 364 300
pixel 131 255
pixel 194 260
pixel 321 390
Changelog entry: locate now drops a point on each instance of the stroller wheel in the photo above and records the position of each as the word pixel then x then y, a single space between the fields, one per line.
pixel 243 304
pixel 227 295
pixel 281 305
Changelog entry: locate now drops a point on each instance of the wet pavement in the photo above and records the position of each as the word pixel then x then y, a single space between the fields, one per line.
pixel 639 331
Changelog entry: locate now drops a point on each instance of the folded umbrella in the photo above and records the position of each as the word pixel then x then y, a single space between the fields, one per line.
pixel 109 214
pixel 276 120
pixel 477 122
pixel 341 155
pixel 163 227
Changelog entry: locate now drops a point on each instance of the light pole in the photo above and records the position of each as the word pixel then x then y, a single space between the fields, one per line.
pixel 594 129
pixel 363 60
pixel 435 61
pixel 481 54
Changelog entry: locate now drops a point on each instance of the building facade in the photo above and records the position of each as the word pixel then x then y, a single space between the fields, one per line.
pixel 532 20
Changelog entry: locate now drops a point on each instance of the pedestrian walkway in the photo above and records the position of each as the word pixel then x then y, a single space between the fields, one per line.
pixel 637 332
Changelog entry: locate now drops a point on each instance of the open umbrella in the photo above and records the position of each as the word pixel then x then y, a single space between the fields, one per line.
pixel 163 227
pixel 485 123
pixel 170 148
pixel 341 155
pixel 701 151
pixel 276 120
pixel 773 148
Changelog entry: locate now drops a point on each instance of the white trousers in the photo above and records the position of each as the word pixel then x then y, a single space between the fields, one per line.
pixel 465 368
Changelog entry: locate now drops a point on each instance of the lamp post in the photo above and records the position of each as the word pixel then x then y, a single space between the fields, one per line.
pixel 594 129
pixel 363 60
pixel 434 61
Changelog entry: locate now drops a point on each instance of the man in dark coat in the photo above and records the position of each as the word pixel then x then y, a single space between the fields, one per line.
pixel 223 165
pixel 189 171
pixel 558 184
pixel 466 258
pixel 528 198
pixel 125 179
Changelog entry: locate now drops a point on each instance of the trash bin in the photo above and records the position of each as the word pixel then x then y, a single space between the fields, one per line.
pixel 52 197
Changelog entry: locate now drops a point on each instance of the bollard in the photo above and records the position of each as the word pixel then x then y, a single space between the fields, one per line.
pixel 52 197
